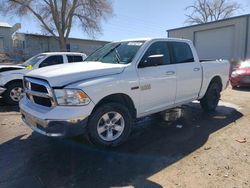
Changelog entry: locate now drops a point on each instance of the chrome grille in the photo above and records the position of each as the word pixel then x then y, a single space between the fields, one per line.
pixel 38 88
pixel 39 92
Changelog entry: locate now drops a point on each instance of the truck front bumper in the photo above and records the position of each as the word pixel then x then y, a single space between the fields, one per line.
pixel 2 89
pixel 54 122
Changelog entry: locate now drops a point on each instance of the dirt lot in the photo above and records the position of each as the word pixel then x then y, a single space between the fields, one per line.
pixel 203 153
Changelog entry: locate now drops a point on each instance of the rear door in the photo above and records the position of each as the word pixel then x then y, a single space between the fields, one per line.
pixel 157 82
pixel 189 72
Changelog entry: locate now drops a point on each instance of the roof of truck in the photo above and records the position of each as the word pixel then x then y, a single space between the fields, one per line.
pixel 148 39
pixel 4 24
pixel 63 53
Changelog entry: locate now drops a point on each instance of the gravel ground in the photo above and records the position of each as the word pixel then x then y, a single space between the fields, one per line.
pixel 204 152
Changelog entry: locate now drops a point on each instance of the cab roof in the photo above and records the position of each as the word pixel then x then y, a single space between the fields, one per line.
pixel 63 53
pixel 151 39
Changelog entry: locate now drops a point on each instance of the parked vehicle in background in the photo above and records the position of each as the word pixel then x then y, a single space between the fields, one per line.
pixel 241 75
pixel 11 76
pixel 117 84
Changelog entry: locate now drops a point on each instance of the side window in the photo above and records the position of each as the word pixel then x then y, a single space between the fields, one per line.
pixel 52 60
pixel 182 52
pixel 159 51
pixel 73 58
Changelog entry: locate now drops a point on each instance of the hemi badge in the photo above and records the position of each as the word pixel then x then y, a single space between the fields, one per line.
pixel 146 87
pixel 134 88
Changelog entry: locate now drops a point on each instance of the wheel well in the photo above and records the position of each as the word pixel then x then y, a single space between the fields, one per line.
pixel 121 99
pixel 13 81
pixel 218 80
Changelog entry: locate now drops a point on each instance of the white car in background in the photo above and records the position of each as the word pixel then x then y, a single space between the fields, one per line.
pixel 11 86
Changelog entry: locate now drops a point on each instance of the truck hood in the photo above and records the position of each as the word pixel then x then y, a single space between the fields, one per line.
pixel 62 75
pixel 4 68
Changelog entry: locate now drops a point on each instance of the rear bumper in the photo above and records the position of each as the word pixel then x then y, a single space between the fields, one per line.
pixel 2 90
pixel 67 121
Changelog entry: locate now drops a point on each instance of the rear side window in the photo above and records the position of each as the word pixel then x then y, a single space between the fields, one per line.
pixel 182 52
pixel 52 60
pixel 74 58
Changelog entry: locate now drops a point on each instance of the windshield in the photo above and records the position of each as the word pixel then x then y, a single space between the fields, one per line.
pixel 118 52
pixel 32 61
pixel 245 64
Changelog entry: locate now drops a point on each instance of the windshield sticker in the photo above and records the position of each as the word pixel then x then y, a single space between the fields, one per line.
pixel 40 57
pixel 29 67
pixel 135 43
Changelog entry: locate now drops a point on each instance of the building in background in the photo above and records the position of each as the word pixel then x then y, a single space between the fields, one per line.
pixel 28 45
pixel 6 33
pixel 21 46
pixel 226 39
pixel 5 37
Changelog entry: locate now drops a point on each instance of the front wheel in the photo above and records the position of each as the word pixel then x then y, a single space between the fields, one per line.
pixel 109 125
pixel 211 99
pixel 13 94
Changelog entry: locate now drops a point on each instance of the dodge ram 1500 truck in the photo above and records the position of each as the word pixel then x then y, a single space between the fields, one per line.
pixel 11 76
pixel 118 83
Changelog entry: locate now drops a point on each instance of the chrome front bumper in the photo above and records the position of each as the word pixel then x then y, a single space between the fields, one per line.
pixel 2 89
pixel 54 128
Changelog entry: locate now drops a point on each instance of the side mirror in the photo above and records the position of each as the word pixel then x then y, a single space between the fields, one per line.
pixel 153 60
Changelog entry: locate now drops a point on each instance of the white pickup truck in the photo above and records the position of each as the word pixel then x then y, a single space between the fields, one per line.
pixel 11 76
pixel 118 83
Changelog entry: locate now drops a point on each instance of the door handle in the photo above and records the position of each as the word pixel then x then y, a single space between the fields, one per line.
pixel 197 69
pixel 170 73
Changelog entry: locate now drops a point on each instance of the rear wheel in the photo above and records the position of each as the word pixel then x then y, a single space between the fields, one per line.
pixel 13 93
pixel 109 125
pixel 211 99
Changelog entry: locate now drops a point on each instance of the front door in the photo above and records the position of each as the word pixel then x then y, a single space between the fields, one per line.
pixel 157 79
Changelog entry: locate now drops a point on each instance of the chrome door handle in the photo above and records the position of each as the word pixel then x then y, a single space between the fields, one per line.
pixel 197 69
pixel 170 73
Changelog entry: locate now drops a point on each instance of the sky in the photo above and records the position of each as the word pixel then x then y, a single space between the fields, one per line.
pixel 131 19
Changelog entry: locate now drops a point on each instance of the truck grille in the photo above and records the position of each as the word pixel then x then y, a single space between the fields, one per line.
pixel 38 88
pixel 39 92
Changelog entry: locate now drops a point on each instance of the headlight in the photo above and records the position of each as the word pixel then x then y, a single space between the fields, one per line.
pixel 71 97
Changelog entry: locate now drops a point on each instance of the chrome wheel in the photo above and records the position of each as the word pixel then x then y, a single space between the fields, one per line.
pixel 110 126
pixel 16 94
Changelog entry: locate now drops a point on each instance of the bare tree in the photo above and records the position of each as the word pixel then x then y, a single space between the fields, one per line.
pixel 203 11
pixel 57 17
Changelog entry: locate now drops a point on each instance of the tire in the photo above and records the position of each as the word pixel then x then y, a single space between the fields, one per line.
pixel 211 99
pixel 13 93
pixel 100 125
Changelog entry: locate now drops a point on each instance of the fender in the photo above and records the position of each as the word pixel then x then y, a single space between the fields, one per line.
pixel 11 77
